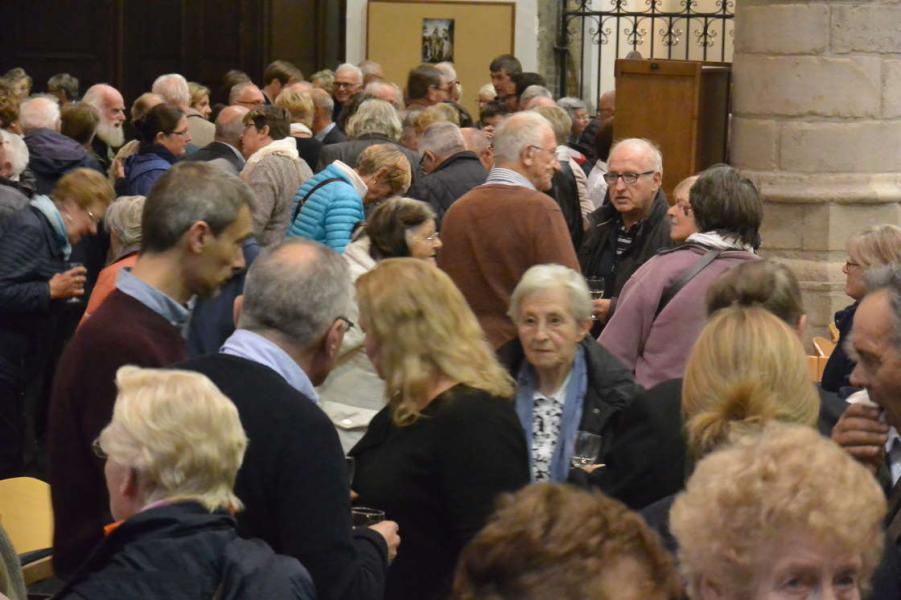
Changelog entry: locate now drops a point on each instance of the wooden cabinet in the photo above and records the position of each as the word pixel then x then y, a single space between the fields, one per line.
pixel 683 106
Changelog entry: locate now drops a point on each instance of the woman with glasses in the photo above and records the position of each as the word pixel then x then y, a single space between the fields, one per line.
pixel 353 392
pixel 875 246
pixel 448 442
pixel 171 455
pixel 36 282
pixel 164 137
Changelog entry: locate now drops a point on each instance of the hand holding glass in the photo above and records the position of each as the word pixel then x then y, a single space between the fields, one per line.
pixel 586 448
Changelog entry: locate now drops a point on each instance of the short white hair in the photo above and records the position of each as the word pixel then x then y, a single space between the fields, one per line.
pixel 180 433
pixel 173 88
pixel 542 278
pixel 375 116
pixel 647 147
pixel 534 91
pixel 16 152
pixel 516 133
pixel 39 112
pixel 442 139
pixel 352 68
pixel 123 217
pixel 447 69
pixel 488 90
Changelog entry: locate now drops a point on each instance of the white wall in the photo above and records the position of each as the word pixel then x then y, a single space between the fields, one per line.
pixel 526 32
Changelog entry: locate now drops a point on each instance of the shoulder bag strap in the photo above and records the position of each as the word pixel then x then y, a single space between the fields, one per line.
pixel 310 193
pixel 670 291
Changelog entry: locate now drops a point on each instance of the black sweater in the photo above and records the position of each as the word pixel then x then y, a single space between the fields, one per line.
pixel 439 479
pixel 293 481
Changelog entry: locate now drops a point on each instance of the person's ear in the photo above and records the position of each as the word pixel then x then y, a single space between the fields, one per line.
pixel 264 132
pixel 802 326
pixel 333 338
pixel 197 236
pixel 237 307
pixel 584 328
pixel 160 136
pixel 527 155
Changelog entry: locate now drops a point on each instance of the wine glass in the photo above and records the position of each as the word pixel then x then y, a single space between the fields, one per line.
pixel 586 448
pixel 596 288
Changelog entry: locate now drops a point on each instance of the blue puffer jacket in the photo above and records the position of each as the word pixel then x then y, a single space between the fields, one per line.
pixel 331 213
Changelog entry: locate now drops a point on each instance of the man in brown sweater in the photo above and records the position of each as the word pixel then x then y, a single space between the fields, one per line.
pixel 193 224
pixel 494 233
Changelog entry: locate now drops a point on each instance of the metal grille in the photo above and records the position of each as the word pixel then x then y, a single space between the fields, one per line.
pixel 594 33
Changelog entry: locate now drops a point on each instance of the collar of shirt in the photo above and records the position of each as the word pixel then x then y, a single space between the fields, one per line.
pixel 324 131
pixel 153 299
pixel 254 347
pixel 355 179
pixel 502 176
pixel 893 451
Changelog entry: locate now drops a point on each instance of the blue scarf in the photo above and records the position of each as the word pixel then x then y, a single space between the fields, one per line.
pixel 49 210
pixel 526 383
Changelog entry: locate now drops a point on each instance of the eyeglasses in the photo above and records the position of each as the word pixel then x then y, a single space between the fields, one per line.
pixel 628 178
pixel 433 238
pixel 347 322
pixel 345 84
pixel 98 450
pixel 552 151
pixel 181 133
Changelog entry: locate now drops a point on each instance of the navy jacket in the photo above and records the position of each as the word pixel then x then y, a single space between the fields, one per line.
pixel 182 552
pixel 144 168
pixel 454 177
pixel 51 155
pixel 837 373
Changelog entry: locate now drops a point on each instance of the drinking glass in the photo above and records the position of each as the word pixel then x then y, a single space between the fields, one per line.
pixel 363 516
pixel 74 299
pixel 596 288
pixel 586 449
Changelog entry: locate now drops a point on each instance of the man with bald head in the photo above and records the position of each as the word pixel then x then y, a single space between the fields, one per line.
pixel 476 141
pixel 110 135
pixel 494 233
pixel 224 151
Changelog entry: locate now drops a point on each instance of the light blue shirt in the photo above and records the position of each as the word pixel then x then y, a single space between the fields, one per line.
pixel 502 176
pixel 177 314
pixel 254 347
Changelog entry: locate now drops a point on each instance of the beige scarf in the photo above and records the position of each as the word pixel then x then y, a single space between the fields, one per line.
pixel 283 147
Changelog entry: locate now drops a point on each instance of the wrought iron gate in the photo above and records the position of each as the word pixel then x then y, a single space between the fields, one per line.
pixel 593 33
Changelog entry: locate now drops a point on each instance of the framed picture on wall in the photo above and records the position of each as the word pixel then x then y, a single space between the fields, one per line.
pixel 437 40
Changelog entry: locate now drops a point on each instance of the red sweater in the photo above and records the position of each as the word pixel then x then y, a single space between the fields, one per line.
pixel 122 332
pixel 491 236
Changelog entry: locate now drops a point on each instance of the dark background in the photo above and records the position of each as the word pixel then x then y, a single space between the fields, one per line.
pixel 128 43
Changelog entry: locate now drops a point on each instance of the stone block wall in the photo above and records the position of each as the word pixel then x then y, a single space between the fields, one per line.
pixel 817 125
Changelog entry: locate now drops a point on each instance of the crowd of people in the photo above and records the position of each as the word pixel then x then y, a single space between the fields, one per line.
pixel 339 338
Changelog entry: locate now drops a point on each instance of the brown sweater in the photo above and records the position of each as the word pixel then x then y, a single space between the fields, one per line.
pixel 491 236
pixel 122 332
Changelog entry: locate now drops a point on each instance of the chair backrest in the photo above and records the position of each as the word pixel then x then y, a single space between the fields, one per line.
pixel 26 513
pixel 823 346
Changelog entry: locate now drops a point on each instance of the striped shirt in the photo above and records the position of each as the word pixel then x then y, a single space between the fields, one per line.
pixel 502 176
pixel 625 237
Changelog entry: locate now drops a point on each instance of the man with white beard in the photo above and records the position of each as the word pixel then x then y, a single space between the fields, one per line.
pixel 109 102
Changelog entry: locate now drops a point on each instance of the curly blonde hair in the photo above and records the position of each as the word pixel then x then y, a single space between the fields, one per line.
pixel 767 489
pixel 424 329
pixel 747 368
pixel 397 169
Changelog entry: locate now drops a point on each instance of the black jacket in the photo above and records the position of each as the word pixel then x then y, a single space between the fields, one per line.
pixel 182 552
pixel 334 136
pixel 309 149
pixel 598 252
pixel 293 481
pixel 611 390
pixel 566 193
pixel 837 373
pixel 51 155
pixel 215 150
pixel 446 184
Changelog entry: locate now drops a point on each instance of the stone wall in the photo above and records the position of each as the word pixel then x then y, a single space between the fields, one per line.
pixel 817 125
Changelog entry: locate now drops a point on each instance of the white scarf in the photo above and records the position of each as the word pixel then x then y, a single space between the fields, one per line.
pixel 298 128
pixel 283 147
pixel 713 239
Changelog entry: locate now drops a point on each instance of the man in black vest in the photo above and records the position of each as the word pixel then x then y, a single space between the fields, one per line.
pixel 293 481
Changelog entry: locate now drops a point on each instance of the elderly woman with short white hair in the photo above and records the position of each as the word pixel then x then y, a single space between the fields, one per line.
pixel 566 384
pixel 172 452
pixel 123 222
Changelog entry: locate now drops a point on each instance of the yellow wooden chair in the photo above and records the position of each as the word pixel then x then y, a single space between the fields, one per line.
pixel 26 513
pixel 823 346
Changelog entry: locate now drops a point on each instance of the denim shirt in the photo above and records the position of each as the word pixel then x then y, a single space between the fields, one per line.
pixel 254 347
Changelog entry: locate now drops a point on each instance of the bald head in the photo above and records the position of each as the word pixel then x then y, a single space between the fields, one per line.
pixel 229 125
pixel 476 141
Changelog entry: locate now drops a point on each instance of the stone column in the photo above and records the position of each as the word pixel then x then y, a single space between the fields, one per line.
pixel 817 125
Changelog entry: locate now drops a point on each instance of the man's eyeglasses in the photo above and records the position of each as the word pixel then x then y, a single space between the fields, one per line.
pixel 433 238
pixel 345 84
pixel 98 450
pixel 552 151
pixel 628 178
pixel 347 322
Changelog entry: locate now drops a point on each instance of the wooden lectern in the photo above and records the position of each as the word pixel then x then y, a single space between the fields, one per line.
pixel 681 105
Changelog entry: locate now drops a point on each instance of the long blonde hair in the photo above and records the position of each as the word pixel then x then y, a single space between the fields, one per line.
pixel 747 368
pixel 425 330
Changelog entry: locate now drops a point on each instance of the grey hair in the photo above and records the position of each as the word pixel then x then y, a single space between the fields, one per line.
pixel 375 116
pixel 447 69
pixel 39 112
pixel 560 121
pixel 534 91
pixel 571 104
pixel 66 83
pixel 187 193
pixel 16 152
pixel 888 279
pixel 352 68
pixel 322 100
pixel 645 145
pixel 173 88
pixel 553 277
pixel 516 133
pixel 488 90
pixel 123 217
pixel 372 87
pixel 236 90
pixel 442 139
pixel 475 139
pixel 299 299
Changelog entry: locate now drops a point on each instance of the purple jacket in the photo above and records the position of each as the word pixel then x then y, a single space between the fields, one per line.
pixel 657 349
